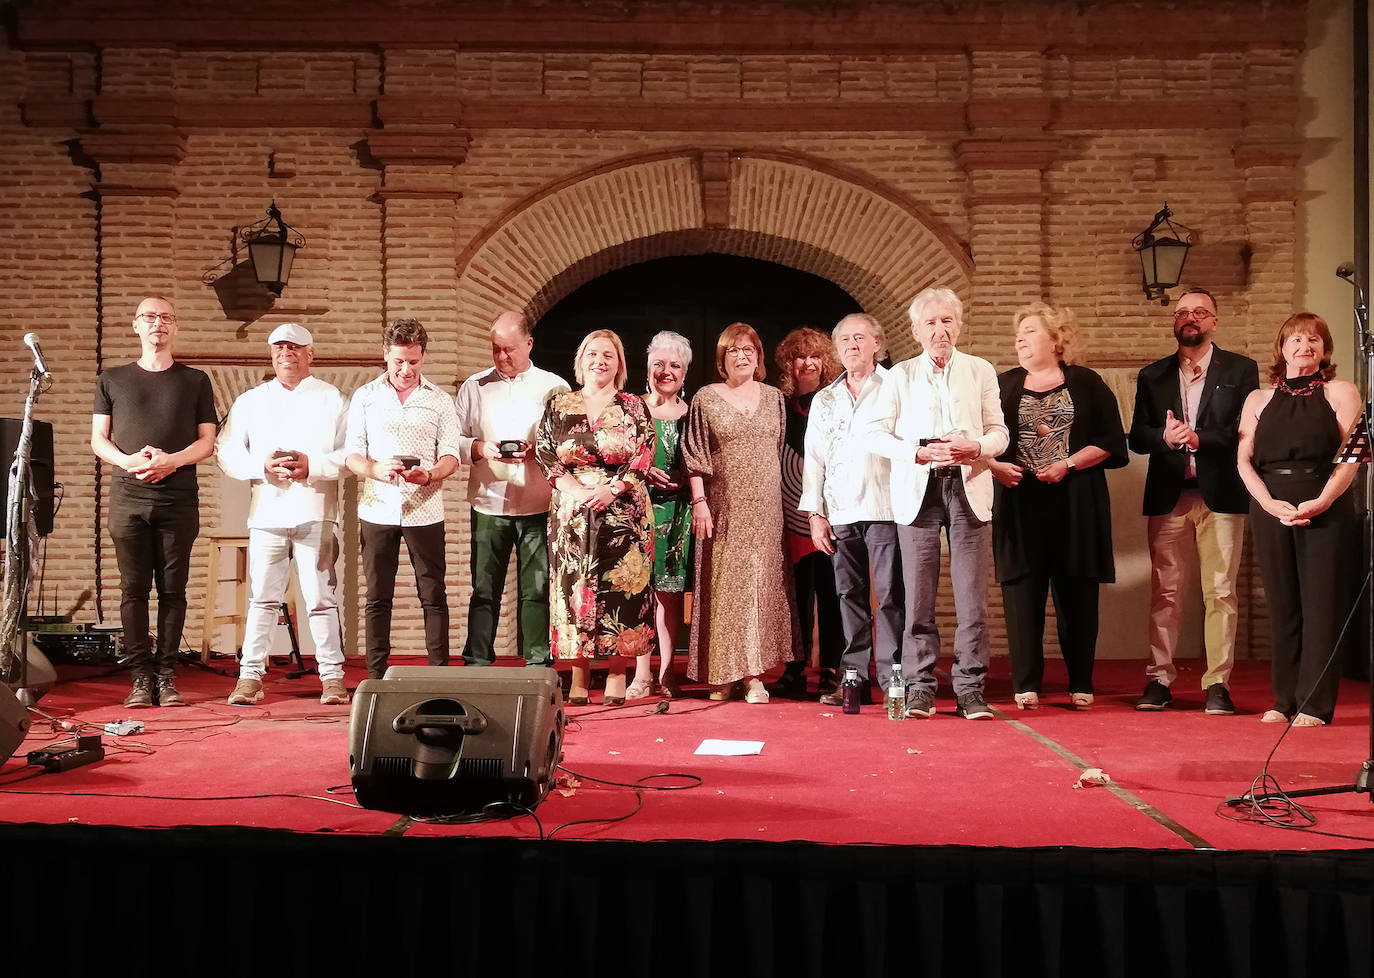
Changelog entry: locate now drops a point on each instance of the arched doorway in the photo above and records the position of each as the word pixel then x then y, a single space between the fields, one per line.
pixel 697 296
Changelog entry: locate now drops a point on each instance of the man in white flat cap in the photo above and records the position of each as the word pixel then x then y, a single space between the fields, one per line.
pixel 286 438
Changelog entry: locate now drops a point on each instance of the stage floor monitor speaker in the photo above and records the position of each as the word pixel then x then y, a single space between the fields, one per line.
pixel 40 464
pixel 428 740
pixel 14 723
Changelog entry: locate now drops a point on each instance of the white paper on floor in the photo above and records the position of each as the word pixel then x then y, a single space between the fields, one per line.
pixel 730 748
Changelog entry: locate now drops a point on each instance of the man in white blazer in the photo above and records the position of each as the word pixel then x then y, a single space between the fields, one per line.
pixel 939 419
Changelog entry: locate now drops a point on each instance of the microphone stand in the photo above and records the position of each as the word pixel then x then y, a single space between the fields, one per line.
pixel 14 659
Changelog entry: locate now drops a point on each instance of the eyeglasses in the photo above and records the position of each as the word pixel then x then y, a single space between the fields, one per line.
pixel 1202 315
pixel 740 351
pixel 152 317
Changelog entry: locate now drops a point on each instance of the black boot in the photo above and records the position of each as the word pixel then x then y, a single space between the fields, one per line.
pixel 792 683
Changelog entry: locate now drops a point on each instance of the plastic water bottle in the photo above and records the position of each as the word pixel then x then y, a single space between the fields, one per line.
pixel 850 691
pixel 896 694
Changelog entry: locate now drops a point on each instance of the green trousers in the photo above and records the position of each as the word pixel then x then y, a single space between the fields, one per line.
pixel 493 538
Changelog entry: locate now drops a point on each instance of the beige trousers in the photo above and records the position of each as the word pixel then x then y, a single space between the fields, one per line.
pixel 1219 539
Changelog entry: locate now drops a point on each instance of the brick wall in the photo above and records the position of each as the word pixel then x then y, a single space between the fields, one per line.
pixel 442 168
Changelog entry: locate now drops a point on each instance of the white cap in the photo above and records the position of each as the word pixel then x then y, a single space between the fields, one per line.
pixel 291 333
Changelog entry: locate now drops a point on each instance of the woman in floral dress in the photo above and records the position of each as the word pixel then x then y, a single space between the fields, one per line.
pixel 596 445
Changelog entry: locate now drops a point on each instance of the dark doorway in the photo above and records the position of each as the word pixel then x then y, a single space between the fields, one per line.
pixel 697 296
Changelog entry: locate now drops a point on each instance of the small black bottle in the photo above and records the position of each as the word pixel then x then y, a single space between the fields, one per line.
pixel 850 690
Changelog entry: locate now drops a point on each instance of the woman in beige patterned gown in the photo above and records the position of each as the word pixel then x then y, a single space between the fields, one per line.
pixel 743 614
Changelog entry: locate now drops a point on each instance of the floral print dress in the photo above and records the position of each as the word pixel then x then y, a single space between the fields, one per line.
pixel 600 600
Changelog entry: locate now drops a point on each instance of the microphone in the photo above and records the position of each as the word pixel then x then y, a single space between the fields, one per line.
pixel 31 341
pixel 1346 270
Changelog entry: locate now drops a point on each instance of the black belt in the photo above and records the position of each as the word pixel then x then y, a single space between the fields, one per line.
pixel 944 471
pixel 1312 469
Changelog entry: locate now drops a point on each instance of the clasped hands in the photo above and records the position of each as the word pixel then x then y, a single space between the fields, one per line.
pixel 951 451
pixel 1294 515
pixel 1010 474
pixel 150 464
pixel 293 468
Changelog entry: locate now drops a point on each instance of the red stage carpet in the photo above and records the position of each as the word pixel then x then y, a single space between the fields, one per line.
pixel 822 776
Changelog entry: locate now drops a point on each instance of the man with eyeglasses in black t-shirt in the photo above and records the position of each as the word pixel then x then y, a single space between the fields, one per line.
pixel 154 419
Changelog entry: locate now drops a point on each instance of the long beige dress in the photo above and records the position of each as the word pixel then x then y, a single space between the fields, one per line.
pixel 743 609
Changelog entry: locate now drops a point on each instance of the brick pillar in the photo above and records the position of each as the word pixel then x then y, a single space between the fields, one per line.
pixel 420 155
pixel 136 188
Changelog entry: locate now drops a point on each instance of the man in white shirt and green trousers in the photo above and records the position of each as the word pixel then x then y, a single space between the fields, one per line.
pixel 498 412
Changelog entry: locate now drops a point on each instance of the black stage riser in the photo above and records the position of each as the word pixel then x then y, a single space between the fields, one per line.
pixel 454 906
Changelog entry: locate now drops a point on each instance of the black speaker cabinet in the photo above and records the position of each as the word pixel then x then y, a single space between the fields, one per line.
pixel 427 740
pixel 14 723
pixel 40 465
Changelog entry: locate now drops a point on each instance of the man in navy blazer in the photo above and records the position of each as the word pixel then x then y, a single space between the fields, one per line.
pixel 1187 416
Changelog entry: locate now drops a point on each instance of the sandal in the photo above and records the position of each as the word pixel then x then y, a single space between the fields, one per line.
pixel 754 691
pixel 1273 716
pixel 639 689
pixel 1307 720
pixel 1027 701
pixel 1081 701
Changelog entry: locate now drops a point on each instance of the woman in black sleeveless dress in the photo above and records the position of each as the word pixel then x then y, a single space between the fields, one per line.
pixel 1303 516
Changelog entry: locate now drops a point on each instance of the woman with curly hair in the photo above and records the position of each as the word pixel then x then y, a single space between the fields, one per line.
pixel 596 445
pixel 806 362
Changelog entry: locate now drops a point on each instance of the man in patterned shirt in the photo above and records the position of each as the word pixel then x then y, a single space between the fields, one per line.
pixel 402 442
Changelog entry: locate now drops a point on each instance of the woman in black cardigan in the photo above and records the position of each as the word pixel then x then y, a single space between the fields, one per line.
pixel 1052 520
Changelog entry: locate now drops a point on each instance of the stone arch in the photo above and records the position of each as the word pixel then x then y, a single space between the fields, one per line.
pixel 795 210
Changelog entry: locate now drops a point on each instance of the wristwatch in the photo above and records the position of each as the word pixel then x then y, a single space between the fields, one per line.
pixel 1069 463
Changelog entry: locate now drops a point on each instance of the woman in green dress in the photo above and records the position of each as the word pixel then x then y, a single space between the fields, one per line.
pixel 669 357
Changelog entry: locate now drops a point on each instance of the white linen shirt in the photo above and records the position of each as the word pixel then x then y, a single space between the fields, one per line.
pixel 841 479
pixel 309 419
pixel 380 426
pixel 494 407
pixel 918 401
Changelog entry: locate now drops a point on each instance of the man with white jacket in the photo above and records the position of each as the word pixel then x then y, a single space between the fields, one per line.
pixel 939 420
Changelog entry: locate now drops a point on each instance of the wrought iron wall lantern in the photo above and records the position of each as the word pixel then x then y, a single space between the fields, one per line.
pixel 1163 249
pixel 272 246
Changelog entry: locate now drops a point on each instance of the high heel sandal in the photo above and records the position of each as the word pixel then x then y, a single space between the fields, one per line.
pixel 721 692
pixel 754 691
pixel 640 689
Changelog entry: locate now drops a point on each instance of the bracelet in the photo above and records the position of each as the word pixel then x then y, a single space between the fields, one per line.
pixel 698 499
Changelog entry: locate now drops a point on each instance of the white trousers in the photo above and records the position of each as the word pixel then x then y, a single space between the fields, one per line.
pixel 315 547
